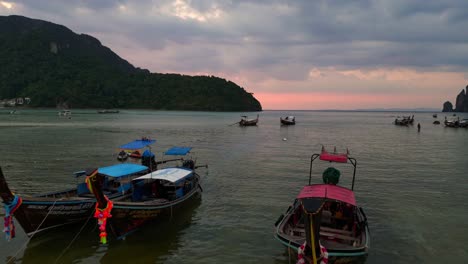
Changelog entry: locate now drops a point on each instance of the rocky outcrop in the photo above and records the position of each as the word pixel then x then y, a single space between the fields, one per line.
pixel 448 107
pixel 461 103
pixel 465 108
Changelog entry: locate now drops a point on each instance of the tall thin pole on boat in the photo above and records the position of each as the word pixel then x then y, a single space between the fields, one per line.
pixel 354 162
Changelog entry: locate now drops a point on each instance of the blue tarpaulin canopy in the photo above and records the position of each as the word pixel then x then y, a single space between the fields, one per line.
pixel 178 151
pixel 138 144
pixel 148 153
pixel 121 170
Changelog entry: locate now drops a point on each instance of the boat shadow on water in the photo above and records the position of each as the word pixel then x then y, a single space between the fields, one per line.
pixel 151 243
pixel 154 242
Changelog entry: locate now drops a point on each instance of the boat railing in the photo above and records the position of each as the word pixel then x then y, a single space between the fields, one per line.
pixel 351 160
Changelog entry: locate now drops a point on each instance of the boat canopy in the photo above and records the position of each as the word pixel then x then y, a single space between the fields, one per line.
pixel 121 170
pixel 328 191
pixel 335 157
pixel 148 153
pixel 138 144
pixel 168 174
pixel 178 151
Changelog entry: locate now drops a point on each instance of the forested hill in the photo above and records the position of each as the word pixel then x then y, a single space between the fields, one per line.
pixel 56 67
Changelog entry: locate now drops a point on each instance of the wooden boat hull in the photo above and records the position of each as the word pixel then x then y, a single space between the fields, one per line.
pixel 128 217
pixel 37 215
pixel 248 123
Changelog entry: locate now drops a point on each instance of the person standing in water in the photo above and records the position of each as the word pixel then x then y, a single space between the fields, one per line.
pixel 419 127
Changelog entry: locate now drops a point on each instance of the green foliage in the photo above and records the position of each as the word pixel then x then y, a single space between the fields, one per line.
pixel 54 66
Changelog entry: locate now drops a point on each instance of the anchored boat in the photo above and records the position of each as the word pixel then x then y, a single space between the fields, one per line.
pixel 156 196
pixel 133 149
pixel 324 221
pixel 45 211
pixel 289 120
pixel 248 122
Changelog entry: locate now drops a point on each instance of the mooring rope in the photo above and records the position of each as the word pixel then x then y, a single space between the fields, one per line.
pixel 73 240
pixel 29 239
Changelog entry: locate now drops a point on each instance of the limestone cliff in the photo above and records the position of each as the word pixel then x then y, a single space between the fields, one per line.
pixel 461 103
pixel 448 107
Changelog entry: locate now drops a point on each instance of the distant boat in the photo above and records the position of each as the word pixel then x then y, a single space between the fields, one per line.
pixel 133 149
pixel 437 122
pixel 66 113
pixel 248 122
pixel 108 111
pixel 434 115
pixel 289 120
pixel 456 122
pixel 401 122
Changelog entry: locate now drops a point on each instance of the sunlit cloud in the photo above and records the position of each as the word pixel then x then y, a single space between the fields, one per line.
pixel 182 9
pixel 7 5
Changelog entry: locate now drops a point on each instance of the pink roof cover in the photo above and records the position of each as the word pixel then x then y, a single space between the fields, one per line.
pixel 338 157
pixel 328 191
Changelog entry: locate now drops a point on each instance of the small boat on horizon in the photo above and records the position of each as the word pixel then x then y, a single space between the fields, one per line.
pixel 456 123
pixel 65 113
pixel 248 122
pixel 108 111
pixel 324 222
pixel 289 120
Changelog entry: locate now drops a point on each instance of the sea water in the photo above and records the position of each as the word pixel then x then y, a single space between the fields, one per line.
pixel 412 186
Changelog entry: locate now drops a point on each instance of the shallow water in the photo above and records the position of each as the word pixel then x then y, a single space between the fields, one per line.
pixel 412 185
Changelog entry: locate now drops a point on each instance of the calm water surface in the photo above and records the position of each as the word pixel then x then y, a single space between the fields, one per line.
pixel 413 186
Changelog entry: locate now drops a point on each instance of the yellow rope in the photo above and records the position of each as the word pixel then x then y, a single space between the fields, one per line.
pixel 314 257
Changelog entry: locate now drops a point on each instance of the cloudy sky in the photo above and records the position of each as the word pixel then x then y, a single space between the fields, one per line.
pixel 310 54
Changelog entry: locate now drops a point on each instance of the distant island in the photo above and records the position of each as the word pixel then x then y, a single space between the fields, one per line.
pixel 461 103
pixel 54 67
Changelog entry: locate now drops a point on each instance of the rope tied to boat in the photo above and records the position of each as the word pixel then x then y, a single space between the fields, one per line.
pixel 301 253
pixel 102 215
pixel 9 225
pixel 324 252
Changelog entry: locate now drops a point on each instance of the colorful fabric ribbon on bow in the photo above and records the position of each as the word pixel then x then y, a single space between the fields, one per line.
pixel 9 225
pixel 102 215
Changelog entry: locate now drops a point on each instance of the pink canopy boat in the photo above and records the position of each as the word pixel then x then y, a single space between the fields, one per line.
pixel 324 223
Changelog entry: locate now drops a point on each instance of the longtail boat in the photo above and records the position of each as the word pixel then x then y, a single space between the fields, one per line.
pixel 46 211
pixel 248 122
pixel 289 120
pixel 324 222
pixel 134 148
pixel 156 196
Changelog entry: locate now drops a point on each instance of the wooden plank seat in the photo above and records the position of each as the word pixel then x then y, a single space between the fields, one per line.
pixel 339 236
pixel 333 230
